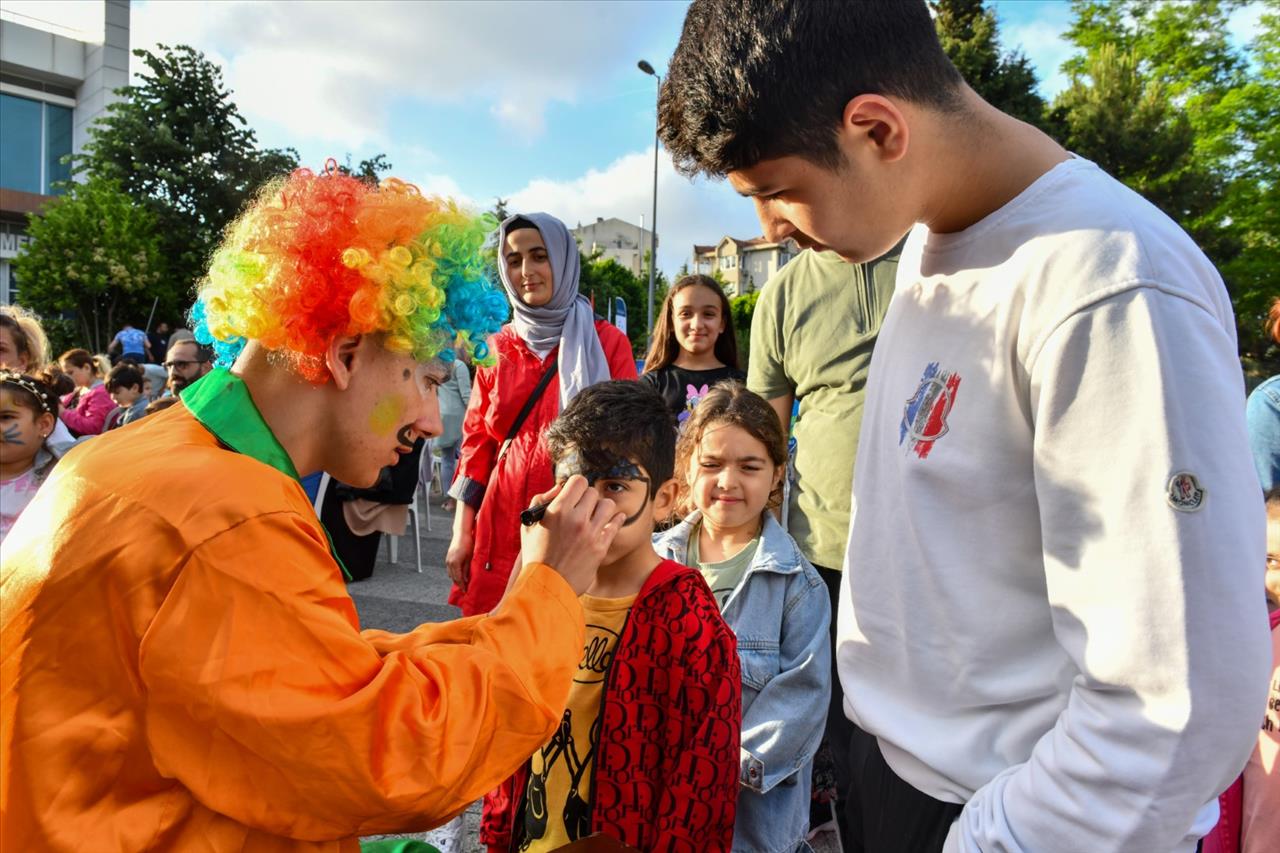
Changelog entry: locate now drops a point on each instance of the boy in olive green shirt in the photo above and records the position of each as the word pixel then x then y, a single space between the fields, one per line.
pixel 814 327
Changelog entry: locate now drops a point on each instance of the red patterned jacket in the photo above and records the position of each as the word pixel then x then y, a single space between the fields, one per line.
pixel 666 764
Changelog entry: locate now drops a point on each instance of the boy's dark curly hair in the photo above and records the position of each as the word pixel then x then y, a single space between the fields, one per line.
pixel 621 419
pixel 757 79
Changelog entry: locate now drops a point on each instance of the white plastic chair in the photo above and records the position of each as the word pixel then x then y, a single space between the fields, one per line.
pixel 417 535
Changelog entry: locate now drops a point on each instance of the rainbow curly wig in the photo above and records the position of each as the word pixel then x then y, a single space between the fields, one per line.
pixel 316 257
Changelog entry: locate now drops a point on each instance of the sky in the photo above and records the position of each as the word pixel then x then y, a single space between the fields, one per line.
pixel 539 103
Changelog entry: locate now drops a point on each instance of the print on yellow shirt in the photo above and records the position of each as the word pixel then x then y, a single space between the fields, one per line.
pixel 558 797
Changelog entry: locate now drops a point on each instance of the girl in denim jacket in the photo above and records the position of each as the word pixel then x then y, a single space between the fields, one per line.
pixel 730 459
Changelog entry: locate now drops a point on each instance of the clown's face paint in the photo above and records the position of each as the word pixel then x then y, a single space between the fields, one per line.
pixel 387 415
pixel 390 403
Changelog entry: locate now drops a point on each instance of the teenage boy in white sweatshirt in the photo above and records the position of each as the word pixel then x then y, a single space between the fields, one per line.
pixel 1050 625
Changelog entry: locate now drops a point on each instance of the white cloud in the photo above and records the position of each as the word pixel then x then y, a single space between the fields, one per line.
pixel 78 19
pixel 333 70
pixel 688 212
pixel 1244 23
pixel 1041 40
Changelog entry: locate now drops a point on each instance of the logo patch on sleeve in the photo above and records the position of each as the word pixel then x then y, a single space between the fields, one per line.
pixel 1185 494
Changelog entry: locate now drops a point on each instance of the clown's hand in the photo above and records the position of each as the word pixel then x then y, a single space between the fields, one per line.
pixel 574 534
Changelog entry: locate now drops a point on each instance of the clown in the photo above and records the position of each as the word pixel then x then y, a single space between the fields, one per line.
pixel 182 667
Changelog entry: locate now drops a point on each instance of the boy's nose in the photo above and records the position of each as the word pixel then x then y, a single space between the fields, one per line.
pixel 429 422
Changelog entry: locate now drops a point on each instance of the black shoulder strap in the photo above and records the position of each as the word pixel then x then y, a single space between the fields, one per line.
pixel 528 406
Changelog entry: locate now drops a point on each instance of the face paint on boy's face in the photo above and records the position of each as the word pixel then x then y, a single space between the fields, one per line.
pixel 621 470
pixel 403 436
pixel 386 413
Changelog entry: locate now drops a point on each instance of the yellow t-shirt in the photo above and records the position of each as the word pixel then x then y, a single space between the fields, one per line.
pixel 557 806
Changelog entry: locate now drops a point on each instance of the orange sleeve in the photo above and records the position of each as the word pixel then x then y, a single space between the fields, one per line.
pixel 266 701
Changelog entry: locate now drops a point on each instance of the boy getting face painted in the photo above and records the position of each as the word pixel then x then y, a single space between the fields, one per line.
pixel 649 621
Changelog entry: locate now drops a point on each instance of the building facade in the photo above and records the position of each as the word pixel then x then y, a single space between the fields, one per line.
pixel 57 75
pixel 744 265
pixel 617 239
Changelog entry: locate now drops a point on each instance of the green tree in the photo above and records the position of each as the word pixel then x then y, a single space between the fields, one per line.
pixel 1225 186
pixel 970 36
pixel 97 254
pixel 177 143
pixel 604 278
pixel 370 170
pixel 742 309
pixel 1150 149
pixel 1251 201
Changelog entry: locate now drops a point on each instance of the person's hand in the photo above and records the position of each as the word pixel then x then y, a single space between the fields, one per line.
pixel 575 534
pixel 458 559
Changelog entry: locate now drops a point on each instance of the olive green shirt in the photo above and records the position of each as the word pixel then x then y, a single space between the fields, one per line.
pixel 811 337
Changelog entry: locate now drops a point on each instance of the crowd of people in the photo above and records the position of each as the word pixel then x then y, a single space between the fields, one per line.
pixel 971 556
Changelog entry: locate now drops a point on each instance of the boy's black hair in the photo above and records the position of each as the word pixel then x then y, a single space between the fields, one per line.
pixel 611 421
pixel 124 376
pixel 757 79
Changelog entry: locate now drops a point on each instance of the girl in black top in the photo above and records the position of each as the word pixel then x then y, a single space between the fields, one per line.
pixel 694 346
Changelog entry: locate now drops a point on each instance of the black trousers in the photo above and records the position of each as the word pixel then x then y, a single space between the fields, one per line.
pixel 887 815
pixel 839 729
pixel 881 813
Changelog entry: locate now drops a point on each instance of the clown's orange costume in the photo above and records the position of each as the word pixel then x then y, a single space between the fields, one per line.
pixel 182 668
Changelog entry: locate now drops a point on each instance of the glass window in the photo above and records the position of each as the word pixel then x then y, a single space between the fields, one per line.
pixel 20 155
pixel 57 144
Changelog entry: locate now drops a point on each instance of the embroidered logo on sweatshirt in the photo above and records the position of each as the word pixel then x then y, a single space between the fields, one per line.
pixel 1185 492
pixel 924 418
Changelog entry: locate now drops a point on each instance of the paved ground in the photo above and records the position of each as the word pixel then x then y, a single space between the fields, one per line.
pixel 398 598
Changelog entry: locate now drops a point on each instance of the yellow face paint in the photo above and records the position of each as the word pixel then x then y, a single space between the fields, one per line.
pixel 387 414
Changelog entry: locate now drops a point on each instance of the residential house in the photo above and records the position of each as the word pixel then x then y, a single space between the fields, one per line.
pixel 744 265
pixel 617 239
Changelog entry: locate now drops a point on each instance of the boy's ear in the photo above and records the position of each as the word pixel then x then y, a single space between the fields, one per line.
pixel 877 123
pixel 664 499
pixel 340 358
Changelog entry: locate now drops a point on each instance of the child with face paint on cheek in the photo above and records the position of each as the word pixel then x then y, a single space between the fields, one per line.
pixel 648 620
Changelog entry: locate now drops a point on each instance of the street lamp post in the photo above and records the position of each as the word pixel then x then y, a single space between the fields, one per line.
pixel 653 223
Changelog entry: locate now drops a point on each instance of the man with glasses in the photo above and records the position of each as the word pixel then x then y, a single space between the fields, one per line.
pixel 186 362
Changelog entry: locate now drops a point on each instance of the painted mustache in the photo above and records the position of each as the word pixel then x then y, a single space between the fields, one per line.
pixel 404 438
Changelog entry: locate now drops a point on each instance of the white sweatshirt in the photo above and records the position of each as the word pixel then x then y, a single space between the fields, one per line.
pixel 1053 607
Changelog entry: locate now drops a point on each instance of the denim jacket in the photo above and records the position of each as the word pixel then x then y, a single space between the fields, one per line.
pixel 780 613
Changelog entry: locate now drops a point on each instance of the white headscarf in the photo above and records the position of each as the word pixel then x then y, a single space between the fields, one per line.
pixel 567 318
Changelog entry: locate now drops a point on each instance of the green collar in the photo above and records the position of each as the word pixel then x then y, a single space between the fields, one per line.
pixel 220 401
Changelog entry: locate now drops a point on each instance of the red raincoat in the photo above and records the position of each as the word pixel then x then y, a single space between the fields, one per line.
pixel 497 396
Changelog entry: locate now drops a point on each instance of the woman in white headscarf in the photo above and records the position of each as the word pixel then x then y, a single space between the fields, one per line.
pixel 555 336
